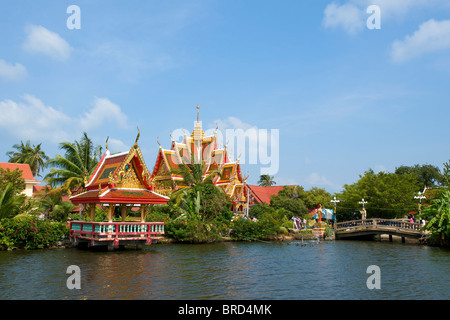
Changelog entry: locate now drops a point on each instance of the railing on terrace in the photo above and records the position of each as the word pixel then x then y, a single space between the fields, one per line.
pixel 116 231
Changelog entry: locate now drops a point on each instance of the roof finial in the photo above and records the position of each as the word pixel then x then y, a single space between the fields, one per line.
pixel 157 140
pixel 107 150
pixel 198 113
pixel 137 138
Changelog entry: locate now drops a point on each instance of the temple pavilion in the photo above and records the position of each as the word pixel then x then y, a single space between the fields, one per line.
pixel 120 182
pixel 199 148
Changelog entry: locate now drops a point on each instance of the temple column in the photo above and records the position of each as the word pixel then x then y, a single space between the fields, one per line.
pixel 111 212
pixel 92 211
pixel 123 212
pixel 143 212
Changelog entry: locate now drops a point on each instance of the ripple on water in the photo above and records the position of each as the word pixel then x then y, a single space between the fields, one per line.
pixel 326 270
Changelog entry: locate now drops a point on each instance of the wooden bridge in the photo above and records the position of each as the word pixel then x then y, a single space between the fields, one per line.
pixel 370 227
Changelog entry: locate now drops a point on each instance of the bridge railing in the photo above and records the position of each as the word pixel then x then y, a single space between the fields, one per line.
pixel 377 222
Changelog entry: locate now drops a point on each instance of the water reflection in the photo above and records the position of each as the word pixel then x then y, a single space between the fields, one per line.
pixel 326 270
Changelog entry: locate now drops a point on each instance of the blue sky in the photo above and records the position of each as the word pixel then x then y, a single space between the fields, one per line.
pixel 345 98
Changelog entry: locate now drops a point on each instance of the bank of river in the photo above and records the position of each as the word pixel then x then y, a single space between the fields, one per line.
pixel 231 270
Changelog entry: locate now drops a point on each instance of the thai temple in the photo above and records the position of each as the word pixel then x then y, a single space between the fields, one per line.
pixel 199 148
pixel 122 181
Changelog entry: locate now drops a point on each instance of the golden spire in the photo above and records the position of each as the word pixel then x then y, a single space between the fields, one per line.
pixel 198 133
pixel 198 113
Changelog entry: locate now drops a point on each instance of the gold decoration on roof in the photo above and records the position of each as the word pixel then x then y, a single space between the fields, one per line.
pixel 137 138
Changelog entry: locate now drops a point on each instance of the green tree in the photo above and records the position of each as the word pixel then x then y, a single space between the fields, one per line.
pixel 266 180
pixel 193 174
pixel 54 207
pixel 31 155
pixel 76 166
pixel 315 196
pixel 426 175
pixel 14 177
pixel 389 195
pixel 10 202
pixel 446 174
pixel 290 199
pixel 438 216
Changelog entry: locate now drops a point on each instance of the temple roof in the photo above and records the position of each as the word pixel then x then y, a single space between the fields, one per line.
pixel 116 195
pixel 120 178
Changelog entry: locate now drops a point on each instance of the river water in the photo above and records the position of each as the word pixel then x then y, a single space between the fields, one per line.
pixel 331 270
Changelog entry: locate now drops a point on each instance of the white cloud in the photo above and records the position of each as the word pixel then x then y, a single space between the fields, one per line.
pixel 432 36
pixel 32 119
pixel 116 145
pixel 103 110
pixel 44 41
pixel 346 16
pixel 12 72
pixel 233 123
pixel 352 16
pixel 393 7
pixel 316 179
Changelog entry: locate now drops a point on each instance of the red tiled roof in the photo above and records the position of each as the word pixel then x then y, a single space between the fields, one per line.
pixel 37 189
pixel 26 170
pixel 119 196
pixel 263 194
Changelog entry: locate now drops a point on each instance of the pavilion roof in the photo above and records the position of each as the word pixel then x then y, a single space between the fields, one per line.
pixel 120 178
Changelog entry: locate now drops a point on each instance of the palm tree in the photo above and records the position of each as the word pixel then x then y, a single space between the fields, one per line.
pixel 79 162
pixel 10 202
pixel 193 174
pixel 266 181
pixel 438 214
pixel 32 155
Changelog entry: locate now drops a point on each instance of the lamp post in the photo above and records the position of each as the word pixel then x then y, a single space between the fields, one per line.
pixel 363 202
pixel 420 196
pixel 335 202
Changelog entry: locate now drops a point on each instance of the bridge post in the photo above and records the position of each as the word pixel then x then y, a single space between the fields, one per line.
pixel 390 238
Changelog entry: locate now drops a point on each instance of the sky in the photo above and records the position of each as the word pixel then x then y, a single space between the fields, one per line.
pixel 340 87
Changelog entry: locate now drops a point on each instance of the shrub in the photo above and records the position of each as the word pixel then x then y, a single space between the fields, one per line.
pixel 193 231
pixel 31 233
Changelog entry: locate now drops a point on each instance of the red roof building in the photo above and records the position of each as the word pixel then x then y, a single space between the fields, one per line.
pixel 27 175
pixel 260 194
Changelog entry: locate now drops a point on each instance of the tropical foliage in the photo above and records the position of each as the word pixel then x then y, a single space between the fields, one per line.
pixel 32 155
pixel 388 195
pixel 437 213
pixel 426 175
pixel 31 233
pixel 12 201
pixel 266 180
pixel 74 168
